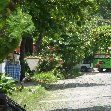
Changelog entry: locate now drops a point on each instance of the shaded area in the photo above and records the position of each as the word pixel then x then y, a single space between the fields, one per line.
pixel 13 106
pixel 72 85
pixel 95 108
pixel 27 84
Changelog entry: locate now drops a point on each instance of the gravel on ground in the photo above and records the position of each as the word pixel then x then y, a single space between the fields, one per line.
pixel 90 92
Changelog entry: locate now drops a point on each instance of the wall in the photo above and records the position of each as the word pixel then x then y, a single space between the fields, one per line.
pixel 2 67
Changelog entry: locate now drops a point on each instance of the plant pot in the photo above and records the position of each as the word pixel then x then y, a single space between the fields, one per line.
pixel 32 63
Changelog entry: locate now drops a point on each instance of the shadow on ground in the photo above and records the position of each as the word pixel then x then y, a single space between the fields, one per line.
pixel 27 84
pixel 72 85
pixel 95 108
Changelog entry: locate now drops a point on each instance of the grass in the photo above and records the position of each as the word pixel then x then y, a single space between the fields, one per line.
pixel 29 97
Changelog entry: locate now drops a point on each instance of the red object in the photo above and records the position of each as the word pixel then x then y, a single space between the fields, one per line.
pixel 18 50
pixel 97 65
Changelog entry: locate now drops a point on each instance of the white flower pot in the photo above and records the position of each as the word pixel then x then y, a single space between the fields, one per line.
pixel 32 63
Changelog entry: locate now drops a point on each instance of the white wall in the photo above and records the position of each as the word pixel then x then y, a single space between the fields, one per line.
pixel 2 67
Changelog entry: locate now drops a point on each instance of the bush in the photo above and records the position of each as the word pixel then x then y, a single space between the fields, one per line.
pixel 7 83
pixel 47 65
pixel 72 73
pixel 57 72
pixel 28 72
pixel 45 78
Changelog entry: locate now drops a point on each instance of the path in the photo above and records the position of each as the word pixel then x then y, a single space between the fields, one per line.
pixel 91 92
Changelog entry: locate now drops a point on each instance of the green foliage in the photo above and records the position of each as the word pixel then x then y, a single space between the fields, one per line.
pixel 7 83
pixel 78 43
pixel 102 37
pixel 72 73
pixel 70 49
pixel 12 31
pixel 105 9
pixel 51 62
pixel 97 34
pixel 45 78
pixel 46 65
pixel 53 16
pixel 28 72
pixel 61 22
pixel 58 72
pixel 3 4
pixel 19 23
pixel 69 24
pixel 29 96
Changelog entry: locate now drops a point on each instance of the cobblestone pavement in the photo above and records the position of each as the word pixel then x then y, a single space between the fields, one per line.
pixel 90 92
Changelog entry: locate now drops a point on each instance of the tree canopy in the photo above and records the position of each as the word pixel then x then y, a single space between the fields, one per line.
pixel 75 27
pixel 3 4
pixel 12 28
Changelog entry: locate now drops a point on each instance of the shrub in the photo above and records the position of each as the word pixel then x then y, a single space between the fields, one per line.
pixel 57 72
pixel 47 65
pixel 7 83
pixel 51 64
pixel 45 78
pixel 72 73
pixel 28 72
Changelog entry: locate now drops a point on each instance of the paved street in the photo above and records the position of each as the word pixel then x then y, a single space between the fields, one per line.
pixel 90 92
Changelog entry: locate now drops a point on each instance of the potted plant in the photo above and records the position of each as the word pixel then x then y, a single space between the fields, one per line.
pixel 6 86
pixel 32 62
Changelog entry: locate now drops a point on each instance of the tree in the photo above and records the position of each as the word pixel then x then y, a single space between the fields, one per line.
pixel 105 9
pixel 101 38
pixel 65 23
pixel 12 29
pixel 52 17
pixel 3 4
pixel 26 47
pixel 58 18
pixel 14 23
pixel 78 43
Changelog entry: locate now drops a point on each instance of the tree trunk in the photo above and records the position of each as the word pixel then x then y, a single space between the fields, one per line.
pixel 29 45
pixel 38 43
pixel 22 55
